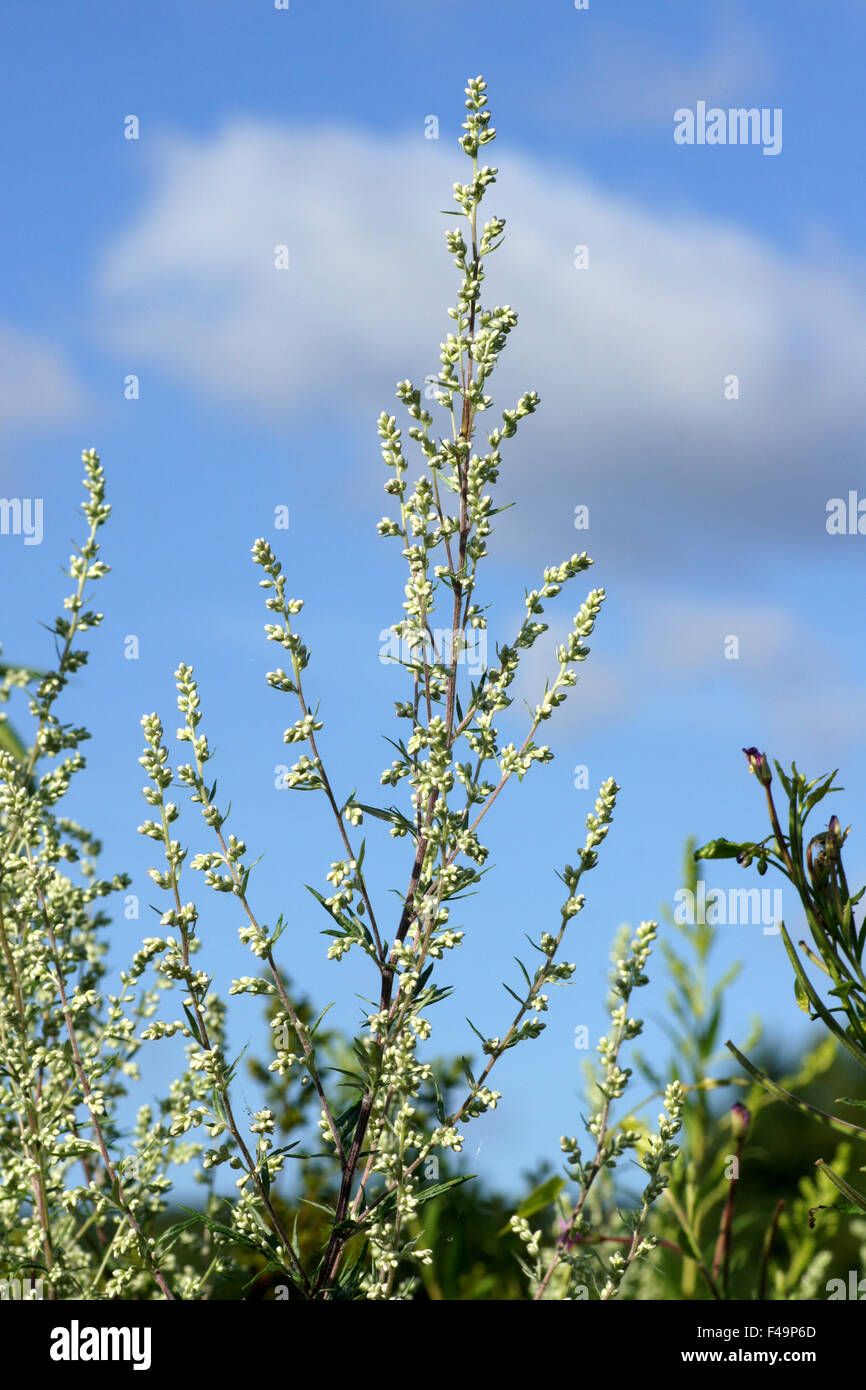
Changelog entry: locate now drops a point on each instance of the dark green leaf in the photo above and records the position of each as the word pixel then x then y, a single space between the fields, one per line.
pixel 720 849
pixel 539 1198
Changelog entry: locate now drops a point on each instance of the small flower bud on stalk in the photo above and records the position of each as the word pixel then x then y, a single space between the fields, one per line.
pixel 759 765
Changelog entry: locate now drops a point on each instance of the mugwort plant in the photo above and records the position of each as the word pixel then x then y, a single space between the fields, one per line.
pixel 86 1208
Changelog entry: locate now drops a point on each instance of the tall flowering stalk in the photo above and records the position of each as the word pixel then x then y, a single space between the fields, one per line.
pixel 451 767
pixel 454 767
pixel 61 1050
pixel 575 1267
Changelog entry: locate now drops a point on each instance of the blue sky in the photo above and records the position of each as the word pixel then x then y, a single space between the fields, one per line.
pixel 707 516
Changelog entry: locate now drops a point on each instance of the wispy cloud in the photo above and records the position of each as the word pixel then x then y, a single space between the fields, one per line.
pixel 631 354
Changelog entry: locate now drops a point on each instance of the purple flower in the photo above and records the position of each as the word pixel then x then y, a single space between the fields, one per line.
pixel 759 765
pixel 740 1120
pixel 835 837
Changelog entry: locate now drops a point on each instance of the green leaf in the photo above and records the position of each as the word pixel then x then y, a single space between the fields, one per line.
pixel 11 743
pixel 339 917
pixel 523 973
pixel 720 849
pixel 539 1198
pixel 821 788
pixel 266 1269
pixel 220 1229
pixel 802 998
pixel 842 990
pixel 846 1208
pixel 230 1075
pixel 321 1016
pixel 308 1202
pixel 440 1103
pixel 857 1198
pixel 347 1123
pixel 349 1279
pixel 219 1108
pixel 173 1233
pixel 393 816
pixel 821 1011
pixel 841 1126
pixel 193 1024
pixel 427 1194
pixel 284 1149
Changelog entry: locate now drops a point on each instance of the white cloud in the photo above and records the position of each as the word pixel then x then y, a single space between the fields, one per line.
pixel 629 356
pixel 686 636
pixel 192 285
